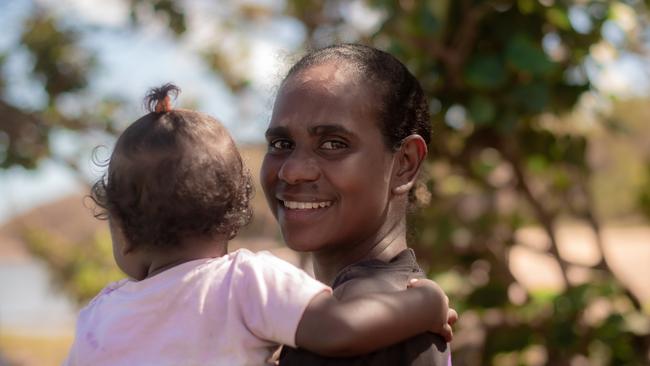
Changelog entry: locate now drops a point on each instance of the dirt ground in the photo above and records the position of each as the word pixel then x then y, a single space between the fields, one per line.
pixel 626 251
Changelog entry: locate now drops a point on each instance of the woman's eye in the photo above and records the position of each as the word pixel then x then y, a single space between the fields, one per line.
pixel 280 144
pixel 333 145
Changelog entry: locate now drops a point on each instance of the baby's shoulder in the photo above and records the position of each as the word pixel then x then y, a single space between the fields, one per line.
pixel 107 291
pixel 243 254
pixel 261 259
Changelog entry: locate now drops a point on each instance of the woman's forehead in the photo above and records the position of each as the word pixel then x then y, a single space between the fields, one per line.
pixel 317 102
pixel 329 85
pixel 329 75
pixel 332 73
pixel 325 94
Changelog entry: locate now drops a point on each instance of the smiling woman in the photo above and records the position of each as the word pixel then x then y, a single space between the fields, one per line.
pixel 325 147
pixel 348 134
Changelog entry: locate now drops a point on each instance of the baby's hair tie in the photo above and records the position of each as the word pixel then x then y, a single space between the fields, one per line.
pixel 158 100
pixel 164 106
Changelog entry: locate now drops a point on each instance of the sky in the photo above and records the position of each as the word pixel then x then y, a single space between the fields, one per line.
pixel 121 51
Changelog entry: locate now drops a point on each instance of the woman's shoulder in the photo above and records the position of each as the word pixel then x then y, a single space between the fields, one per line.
pixel 373 282
pixel 376 276
pixel 363 286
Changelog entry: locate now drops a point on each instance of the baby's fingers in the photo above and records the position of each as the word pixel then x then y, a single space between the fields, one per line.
pixel 447 333
pixel 452 317
pixel 424 282
pixel 414 282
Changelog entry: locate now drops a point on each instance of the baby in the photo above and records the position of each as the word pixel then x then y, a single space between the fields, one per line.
pixel 175 192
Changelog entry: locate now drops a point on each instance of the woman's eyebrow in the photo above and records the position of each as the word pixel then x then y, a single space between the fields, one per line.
pixel 328 129
pixel 277 131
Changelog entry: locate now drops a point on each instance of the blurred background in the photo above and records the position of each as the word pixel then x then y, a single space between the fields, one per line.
pixel 536 194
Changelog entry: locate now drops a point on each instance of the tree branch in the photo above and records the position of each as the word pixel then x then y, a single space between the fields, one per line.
pixel 454 56
pixel 589 215
pixel 545 218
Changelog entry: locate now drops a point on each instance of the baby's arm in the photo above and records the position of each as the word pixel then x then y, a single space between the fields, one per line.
pixel 369 322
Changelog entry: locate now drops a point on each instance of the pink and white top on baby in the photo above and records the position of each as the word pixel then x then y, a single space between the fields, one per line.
pixel 231 310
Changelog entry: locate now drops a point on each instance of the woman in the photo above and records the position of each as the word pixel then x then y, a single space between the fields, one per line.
pixel 347 137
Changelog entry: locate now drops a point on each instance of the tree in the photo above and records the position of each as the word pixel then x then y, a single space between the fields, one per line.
pixel 499 75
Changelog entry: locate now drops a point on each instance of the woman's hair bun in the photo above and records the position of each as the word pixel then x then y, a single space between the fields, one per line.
pixel 158 99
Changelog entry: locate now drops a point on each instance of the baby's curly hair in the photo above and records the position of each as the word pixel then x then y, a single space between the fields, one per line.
pixel 174 174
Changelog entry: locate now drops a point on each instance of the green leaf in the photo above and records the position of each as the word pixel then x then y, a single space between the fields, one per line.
pixel 562 335
pixel 575 150
pixel 485 72
pixel 643 197
pixel 527 57
pixel 507 121
pixel 526 6
pixel 515 338
pixel 482 110
pixel 559 18
pixel 537 163
pixel 427 22
pixel 60 61
pixel 533 97
pixel 175 16
pixel 493 294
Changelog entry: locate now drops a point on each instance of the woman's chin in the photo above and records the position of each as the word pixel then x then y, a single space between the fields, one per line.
pixel 301 245
pixel 302 242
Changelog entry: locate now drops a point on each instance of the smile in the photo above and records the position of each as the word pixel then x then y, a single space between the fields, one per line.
pixel 294 205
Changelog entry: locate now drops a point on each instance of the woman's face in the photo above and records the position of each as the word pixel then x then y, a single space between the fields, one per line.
pixel 327 173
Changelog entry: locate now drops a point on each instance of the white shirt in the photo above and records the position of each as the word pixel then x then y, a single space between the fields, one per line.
pixel 230 310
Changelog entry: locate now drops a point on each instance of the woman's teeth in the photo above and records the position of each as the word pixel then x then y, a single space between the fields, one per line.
pixel 293 205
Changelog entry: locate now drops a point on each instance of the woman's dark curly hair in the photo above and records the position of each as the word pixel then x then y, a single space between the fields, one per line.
pixel 174 174
pixel 402 105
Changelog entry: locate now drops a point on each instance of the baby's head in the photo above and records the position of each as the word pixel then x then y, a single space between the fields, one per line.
pixel 174 174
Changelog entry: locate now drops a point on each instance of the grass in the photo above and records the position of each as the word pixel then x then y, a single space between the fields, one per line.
pixel 27 350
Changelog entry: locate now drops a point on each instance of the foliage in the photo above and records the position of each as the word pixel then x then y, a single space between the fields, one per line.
pixel 644 194
pixel 61 67
pixel 82 269
pixel 499 74
pixel 493 81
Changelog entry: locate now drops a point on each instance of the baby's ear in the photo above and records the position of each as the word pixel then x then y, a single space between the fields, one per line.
pixel 120 242
pixel 127 247
pixel 409 158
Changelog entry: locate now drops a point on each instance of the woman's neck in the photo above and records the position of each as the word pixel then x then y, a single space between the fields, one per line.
pixel 383 246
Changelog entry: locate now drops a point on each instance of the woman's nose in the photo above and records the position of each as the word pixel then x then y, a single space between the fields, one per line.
pixel 299 168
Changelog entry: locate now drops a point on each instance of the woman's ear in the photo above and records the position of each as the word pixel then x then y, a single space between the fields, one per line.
pixel 409 158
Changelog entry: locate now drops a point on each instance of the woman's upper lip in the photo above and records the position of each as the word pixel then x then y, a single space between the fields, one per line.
pixel 301 198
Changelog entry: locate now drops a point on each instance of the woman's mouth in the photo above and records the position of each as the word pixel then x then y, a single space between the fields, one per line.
pixel 297 205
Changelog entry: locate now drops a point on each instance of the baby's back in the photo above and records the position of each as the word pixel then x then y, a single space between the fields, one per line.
pixel 221 311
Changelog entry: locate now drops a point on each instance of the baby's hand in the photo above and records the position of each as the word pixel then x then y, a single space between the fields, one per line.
pixel 447 316
pixel 448 332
